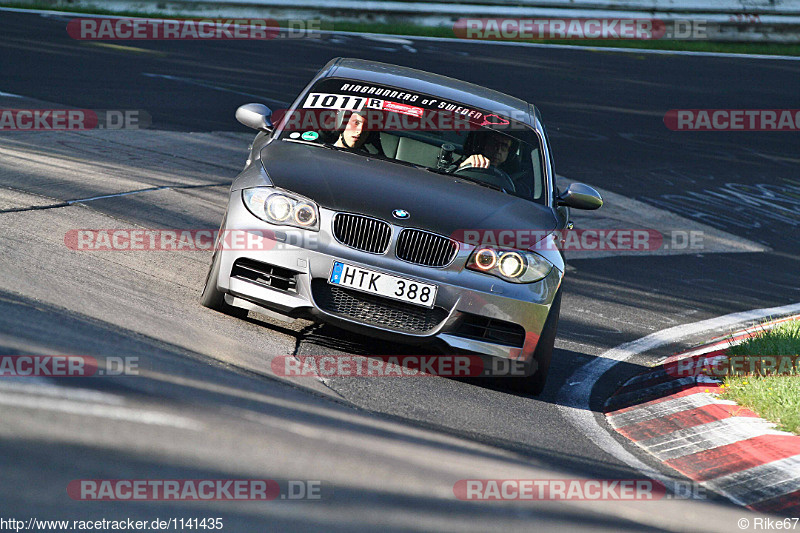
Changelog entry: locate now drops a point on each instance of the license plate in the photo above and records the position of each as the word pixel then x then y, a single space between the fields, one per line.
pixel 372 282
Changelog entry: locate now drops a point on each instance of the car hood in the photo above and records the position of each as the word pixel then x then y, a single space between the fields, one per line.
pixel 344 181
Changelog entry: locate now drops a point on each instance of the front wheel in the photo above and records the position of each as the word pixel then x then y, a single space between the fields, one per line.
pixel 534 384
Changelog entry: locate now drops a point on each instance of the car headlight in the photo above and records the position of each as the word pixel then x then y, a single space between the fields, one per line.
pixel 516 266
pixel 278 207
pixel 305 214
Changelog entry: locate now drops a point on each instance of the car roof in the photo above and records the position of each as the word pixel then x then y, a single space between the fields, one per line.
pixel 429 83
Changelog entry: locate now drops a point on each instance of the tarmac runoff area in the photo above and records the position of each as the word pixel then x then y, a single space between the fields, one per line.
pixel 675 415
pixel 679 235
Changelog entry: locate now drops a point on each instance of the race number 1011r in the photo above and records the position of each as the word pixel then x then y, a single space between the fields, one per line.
pixel 334 101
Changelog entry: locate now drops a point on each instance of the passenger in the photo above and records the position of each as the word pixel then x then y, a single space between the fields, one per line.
pixel 354 134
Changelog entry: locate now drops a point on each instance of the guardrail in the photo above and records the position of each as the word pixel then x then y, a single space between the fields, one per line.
pixel 724 20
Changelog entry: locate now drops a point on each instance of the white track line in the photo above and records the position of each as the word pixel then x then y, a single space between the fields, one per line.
pixel 573 398
pixel 457 40
pixel 43 387
pixel 127 414
pixel 39 393
pixel 208 85
pixel 576 46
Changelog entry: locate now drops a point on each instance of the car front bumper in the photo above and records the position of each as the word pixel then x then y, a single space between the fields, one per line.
pixel 473 312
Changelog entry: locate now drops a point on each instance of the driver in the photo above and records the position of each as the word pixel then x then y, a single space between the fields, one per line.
pixel 488 148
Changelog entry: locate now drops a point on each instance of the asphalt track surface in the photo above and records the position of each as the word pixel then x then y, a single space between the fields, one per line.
pixel 388 450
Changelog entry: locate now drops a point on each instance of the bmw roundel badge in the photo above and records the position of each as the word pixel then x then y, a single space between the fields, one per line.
pixel 401 213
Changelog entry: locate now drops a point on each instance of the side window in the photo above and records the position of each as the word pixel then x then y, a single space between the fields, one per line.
pixel 538 175
pixel 551 160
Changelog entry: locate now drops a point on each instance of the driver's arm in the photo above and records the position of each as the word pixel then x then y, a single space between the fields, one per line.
pixel 476 160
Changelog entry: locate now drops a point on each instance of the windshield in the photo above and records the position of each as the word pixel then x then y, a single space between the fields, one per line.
pixel 476 145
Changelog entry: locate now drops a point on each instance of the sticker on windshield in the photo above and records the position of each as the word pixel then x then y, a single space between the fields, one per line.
pixel 294 135
pixel 334 101
pixel 495 120
pixel 310 136
pixel 395 107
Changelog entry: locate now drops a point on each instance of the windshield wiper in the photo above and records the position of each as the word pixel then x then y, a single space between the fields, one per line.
pixel 481 182
pixel 312 143
pixel 466 178
pixel 436 170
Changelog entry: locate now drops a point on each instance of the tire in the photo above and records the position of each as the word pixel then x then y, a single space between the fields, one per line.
pixel 212 297
pixel 534 384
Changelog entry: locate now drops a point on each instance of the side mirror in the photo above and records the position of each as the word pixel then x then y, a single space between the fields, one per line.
pixel 256 116
pixel 580 196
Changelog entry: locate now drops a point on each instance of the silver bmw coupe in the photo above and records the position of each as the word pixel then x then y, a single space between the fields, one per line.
pixel 402 205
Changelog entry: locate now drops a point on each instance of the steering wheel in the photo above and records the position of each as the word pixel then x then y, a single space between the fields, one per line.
pixel 506 183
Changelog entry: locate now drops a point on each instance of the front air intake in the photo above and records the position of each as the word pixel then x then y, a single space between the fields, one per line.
pixel 425 248
pixel 362 233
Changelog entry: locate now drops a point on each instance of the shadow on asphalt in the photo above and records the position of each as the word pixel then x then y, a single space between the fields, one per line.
pixel 51 466
pixel 215 388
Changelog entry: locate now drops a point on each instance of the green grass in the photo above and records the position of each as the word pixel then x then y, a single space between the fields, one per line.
pixel 772 396
pixel 425 31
